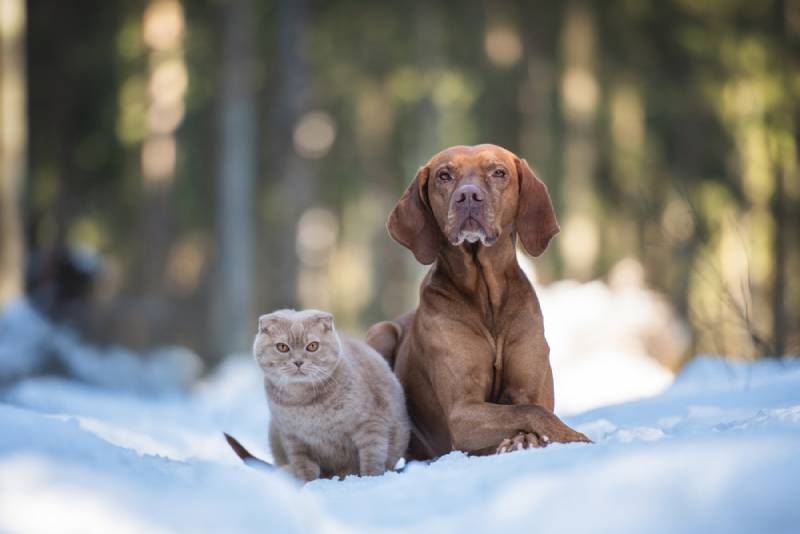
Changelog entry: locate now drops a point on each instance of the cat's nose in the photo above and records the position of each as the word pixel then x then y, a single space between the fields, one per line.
pixel 298 363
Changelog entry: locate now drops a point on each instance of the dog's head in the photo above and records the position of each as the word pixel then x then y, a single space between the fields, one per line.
pixel 473 194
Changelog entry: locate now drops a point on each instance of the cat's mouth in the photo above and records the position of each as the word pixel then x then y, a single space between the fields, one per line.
pixel 301 374
pixel 306 372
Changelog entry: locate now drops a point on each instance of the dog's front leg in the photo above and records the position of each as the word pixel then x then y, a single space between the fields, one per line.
pixel 480 427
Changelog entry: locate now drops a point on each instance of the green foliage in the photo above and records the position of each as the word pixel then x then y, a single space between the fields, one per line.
pixel 661 128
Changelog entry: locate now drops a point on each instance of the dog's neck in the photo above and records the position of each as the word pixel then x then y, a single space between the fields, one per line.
pixel 479 272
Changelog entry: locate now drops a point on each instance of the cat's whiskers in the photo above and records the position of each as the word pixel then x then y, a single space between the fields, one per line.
pixel 319 372
pixel 330 379
pixel 313 382
pixel 280 385
pixel 318 381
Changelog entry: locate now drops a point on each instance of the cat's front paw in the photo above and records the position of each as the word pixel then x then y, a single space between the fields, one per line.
pixel 372 470
pixel 305 471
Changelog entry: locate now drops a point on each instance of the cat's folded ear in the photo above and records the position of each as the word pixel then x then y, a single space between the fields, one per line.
pixel 264 321
pixel 325 319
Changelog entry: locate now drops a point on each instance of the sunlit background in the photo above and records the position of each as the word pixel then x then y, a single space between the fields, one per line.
pixel 172 169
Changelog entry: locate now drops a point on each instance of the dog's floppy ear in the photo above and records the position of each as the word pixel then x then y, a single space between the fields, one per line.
pixel 412 223
pixel 536 220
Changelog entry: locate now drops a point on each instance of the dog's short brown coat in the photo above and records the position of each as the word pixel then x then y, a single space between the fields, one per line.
pixel 472 358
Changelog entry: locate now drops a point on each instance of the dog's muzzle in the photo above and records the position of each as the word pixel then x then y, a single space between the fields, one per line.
pixel 468 213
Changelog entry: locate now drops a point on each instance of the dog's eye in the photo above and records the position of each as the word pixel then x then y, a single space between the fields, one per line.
pixel 445 176
pixel 312 347
pixel 499 173
pixel 282 347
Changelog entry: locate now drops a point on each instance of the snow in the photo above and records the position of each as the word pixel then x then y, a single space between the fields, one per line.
pixel 29 343
pixel 714 450
pixel 717 451
pixel 609 343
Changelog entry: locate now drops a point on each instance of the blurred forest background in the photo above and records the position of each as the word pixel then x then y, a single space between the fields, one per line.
pixel 171 169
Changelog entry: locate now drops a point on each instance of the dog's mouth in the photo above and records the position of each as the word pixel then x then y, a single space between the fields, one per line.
pixel 471 230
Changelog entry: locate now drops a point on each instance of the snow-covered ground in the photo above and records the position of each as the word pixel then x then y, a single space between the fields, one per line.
pixel 127 445
pixel 719 451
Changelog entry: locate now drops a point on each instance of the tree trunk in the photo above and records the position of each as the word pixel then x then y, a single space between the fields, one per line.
pixel 292 193
pixel 13 137
pixel 779 283
pixel 163 32
pixel 234 319
pixel 579 242
pixel 780 213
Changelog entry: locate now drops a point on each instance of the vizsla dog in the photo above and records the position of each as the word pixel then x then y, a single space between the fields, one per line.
pixel 472 358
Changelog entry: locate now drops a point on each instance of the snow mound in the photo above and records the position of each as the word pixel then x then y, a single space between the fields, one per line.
pixel 609 343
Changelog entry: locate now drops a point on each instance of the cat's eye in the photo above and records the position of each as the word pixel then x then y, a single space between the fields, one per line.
pixel 282 347
pixel 312 347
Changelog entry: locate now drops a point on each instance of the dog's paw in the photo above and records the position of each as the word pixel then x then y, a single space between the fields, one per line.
pixel 568 435
pixel 558 432
pixel 523 440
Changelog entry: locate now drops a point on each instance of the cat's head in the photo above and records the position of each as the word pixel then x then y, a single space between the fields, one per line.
pixel 297 346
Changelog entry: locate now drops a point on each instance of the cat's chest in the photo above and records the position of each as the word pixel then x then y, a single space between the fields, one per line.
pixel 333 419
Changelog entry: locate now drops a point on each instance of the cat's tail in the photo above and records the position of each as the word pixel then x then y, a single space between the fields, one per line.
pixel 245 455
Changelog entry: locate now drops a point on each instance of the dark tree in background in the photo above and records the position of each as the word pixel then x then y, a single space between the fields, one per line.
pixel 236 178
pixel 194 164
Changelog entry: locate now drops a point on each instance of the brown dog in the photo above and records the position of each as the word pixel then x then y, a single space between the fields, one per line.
pixel 472 358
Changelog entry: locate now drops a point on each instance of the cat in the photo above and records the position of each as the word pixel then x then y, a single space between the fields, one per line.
pixel 337 408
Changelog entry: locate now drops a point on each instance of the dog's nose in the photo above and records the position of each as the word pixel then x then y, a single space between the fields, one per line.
pixel 469 194
pixel 298 363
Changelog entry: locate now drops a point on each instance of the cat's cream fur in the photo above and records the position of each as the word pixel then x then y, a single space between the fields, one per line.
pixel 337 410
